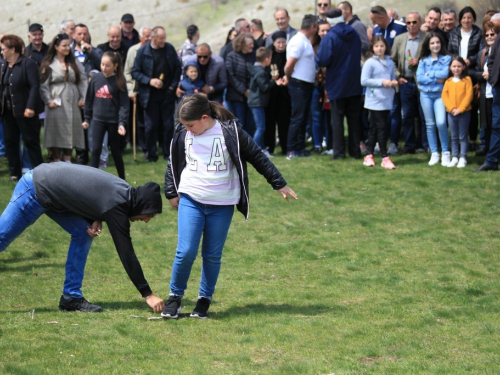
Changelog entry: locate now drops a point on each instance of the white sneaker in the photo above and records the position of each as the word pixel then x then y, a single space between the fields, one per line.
pixel 393 149
pixel 462 163
pixel 453 163
pixel 445 158
pixel 434 158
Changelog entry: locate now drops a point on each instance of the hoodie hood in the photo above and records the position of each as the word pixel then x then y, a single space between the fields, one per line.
pixel 195 64
pixel 345 32
pixel 146 200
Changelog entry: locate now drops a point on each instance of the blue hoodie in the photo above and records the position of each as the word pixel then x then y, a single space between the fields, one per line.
pixel 189 86
pixel 340 52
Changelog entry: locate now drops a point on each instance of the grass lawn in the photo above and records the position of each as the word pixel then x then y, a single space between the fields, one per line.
pixel 369 272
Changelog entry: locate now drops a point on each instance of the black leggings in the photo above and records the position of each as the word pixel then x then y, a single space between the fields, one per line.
pixel 378 132
pixel 99 129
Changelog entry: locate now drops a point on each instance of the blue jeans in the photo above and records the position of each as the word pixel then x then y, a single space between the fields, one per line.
pixel 435 117
pixel 459 129
pixel 244 114
pixel 300 95
pixel 320 120
pixel 24 209
pixel 259 116
pixel 494 152
pixel 194 220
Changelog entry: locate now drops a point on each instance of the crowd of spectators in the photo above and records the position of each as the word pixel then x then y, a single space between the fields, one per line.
pixel 313 84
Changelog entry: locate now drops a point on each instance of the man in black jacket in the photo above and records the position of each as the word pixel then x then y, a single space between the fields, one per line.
pixel 37 49
pixel 157 70
pixel 491 162
pixel 79 199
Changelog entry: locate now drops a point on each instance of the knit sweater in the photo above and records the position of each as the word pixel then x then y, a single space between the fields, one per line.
pixel 457 94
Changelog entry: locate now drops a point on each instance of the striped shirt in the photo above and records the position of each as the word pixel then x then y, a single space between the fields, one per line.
pixel 209 176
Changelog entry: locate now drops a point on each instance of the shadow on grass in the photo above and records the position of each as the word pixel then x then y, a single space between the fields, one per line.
pixel 408 161
pixel 304 310
pixel 30 267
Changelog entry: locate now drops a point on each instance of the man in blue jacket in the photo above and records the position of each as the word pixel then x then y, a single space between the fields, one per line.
pixel 340 52
pixel 157 70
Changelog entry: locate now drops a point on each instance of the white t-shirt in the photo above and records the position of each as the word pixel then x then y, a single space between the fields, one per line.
pixel 300 48
pixel 464 44
pixel 209 176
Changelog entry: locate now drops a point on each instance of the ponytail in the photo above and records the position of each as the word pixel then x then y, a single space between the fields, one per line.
pixel 193 107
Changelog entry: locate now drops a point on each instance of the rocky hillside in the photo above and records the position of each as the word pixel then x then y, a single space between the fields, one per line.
pixel 213 17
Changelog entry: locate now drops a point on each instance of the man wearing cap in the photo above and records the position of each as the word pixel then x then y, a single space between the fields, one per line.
pixel 130 36
pixel 79 199
pixel 340 52
pixel 37 49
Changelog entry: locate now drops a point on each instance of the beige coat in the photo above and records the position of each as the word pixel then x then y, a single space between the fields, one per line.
pixel 63 124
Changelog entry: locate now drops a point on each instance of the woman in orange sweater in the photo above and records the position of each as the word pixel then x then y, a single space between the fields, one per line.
pixel 457 98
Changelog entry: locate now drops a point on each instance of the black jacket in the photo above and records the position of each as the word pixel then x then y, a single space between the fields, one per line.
pixel 24 86
pixel 241 148
pixel 494 64
pixel 143 69
pixel 455 37
pixel 105 101
pixel 260 86
pixel 238 77
pixel 36 55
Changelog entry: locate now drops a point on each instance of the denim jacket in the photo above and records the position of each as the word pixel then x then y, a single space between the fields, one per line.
pixel 430 71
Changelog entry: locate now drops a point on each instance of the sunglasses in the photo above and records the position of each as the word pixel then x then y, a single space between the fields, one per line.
pixel 492 34
pixel 411 22
pixel 322 4
pixel 203 57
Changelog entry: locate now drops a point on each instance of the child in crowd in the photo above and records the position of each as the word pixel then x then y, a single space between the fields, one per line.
pixel 379 78
pixel 107 105
pixel 432 71
pixel 259 90
pixel 191 83
pixel 457 97
pixel 206 176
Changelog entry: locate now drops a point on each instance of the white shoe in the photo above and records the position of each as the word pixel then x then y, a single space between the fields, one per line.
pixel 445 158
pixel 434 158
pixel 453 163
pixel 462 163
pixel 393 149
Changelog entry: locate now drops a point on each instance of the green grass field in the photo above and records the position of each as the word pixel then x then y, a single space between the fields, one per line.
pixel 369 272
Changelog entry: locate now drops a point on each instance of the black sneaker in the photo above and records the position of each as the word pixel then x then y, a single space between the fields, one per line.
pixel 172 308
pixel 78 304
pixel 201 309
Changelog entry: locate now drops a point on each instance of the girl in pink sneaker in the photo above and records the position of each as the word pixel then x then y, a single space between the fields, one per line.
pixel 379 78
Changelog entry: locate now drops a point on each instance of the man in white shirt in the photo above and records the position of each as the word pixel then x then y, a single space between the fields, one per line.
pixel 300 74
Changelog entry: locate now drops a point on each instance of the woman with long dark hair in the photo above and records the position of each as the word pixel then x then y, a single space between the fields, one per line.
pixel 63 90
pixel 432 71
pixel 21 104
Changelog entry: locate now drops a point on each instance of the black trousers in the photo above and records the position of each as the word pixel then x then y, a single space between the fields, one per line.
pixel 278 112
pixel 13 128
pixel 159 118
pixel 378 132
pixel 350 108
pixel 99 129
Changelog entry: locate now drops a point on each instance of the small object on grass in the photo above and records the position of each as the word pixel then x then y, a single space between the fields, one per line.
pixel 148 318
pixel 53 322
pixel 32 314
